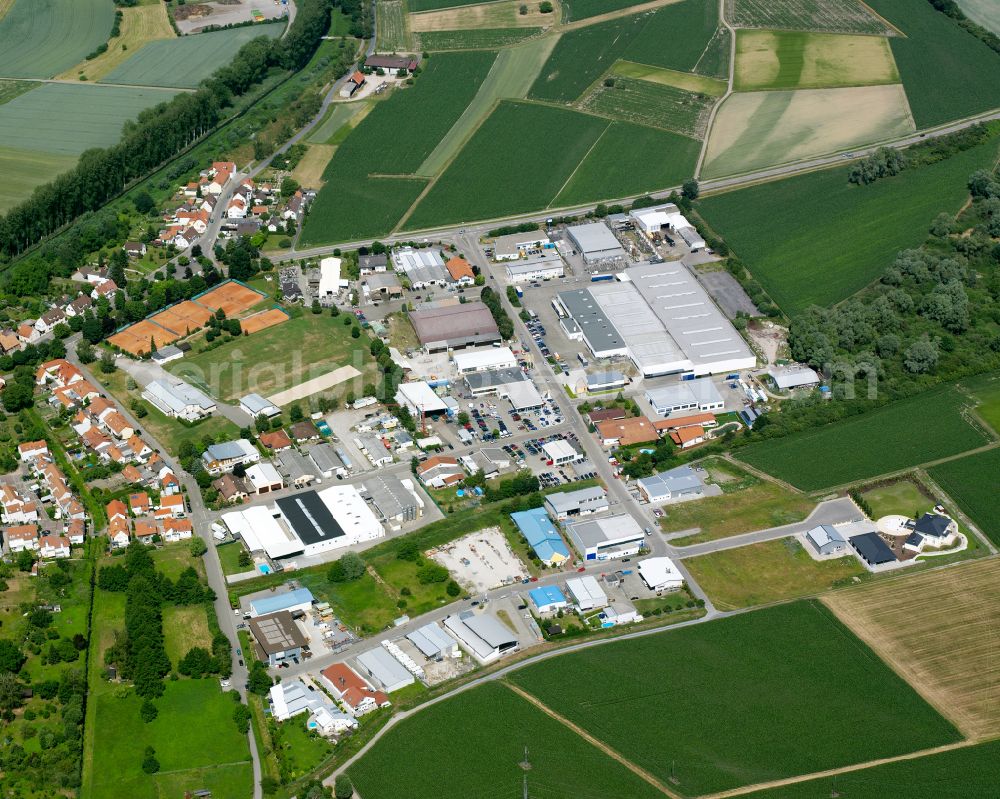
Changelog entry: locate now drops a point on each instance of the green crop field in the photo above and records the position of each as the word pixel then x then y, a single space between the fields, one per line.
pixel 714 61
pixel 972 482
pixel 737 701
pixel 336 118
pixel 475 38
pixel 523 153
pixel 947 73
pixel 983 12
pixel 885 440
pixel 434 5
pixel 986 390
pixel 375 148
pixel 834 16
pixel 486 730
pixel 680 37
pixel 628 160
pixel 41 38
pixel 9 89
pixel 390 19
pixel 652 104
pixel 582 9
pixel 970 772
pixel 187 61
pixel 836 237
pixel 25 170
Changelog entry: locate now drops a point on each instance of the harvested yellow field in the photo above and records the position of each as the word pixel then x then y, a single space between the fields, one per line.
pixel 140 25
pixel 757 130
pixel 502 14
pixel 797 60
pixel 687 81
pixel 940 630
pixel 309 171
pixel 5 7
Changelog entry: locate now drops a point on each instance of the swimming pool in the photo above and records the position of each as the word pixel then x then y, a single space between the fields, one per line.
pixel 264 568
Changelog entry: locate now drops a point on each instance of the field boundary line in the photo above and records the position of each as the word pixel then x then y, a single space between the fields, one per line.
pixel 832 772
pixel 640 772
pixel 586 155
pixel 723 23
pixel 956 510
pixel 882 19
pixel 628 11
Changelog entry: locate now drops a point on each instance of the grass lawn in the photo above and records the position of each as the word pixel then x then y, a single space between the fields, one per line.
pixel 758 506
pixel 737 701
pixel 861 447
pixel 771 571
pixel 972 482
pixel 302 750
pixel 172 559
pixel 970 773
pixel 986 390
pixel 903 497
pixel 185 627
pixel 486 730
pixel 818 212
pixel 273 360
pixel 229 557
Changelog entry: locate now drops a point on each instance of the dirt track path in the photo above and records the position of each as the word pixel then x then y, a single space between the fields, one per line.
pixel 641 773
pixel 628 11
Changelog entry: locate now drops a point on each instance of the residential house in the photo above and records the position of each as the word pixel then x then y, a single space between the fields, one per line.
pixel 219 458
pixel 106 289
pixel 439 471
pixel 177 530
pixel 626 432
pixel 304 431
pixel 79 306
pixel 27 333
pixel 145 530
pixel 76 531
pixel 276 441
pixel 171 507
pixel 134 249
pixel 21 537
pixel 47 322
pixel 460 271
pixel 119 532
pixel 350 688
pixel 232 489
pixel 140 503
pixel 31 451
pixel 53 546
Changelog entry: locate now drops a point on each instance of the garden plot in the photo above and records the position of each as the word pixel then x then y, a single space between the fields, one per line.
pixel 502 14
pixel 796 60
pixel 482 560
pixel 757 130
pixel 835 16
pixel 653 104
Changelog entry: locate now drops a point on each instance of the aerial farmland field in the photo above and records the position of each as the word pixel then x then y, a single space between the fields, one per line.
pixel 653 104
pixel 986 389
pixel 972 482
pixel 983 12
pixel 936 60
pixel 514 152
pixel 433 5
pixel 861 447
pixel 756 130
pixel 41 38
pixel 392 34
pixel 835 16
pixel 423 748
pixel 690 28
pixel 582 9
pixel 957 608
pixel 818 213
pixel 688 81
pixel 494 14
pixel 628 160
pixel 474 38
pixel 797 60
pixel 187 61
pixel 737 701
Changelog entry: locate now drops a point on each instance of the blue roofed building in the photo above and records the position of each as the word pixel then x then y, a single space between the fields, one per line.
pixel 541 535
pixel 300 599
pixel 548 598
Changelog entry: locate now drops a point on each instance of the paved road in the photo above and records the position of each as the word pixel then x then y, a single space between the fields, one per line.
pixel 833 511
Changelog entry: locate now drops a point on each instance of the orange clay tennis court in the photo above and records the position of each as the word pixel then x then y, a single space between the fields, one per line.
pixel 263 320
pixel 183 318
pixel 134 339
pixel 234 298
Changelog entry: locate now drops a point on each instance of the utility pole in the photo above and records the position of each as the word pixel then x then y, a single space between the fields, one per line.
pixel 525 796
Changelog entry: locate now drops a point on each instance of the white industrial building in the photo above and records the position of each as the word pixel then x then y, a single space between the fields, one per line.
pixel 384 669
pixel 586 593
pixel 255 405
pixel 179 399
pixel 826 540
pixel 606 538
pixel 433 642
pixel 517 245
pixel 660 317
pixel 419 399
pixel 329 279
pixel 687 395
pixel 595 242
pixel 538 267
pixel 262 532
pixel 484 359
pixel 658 218
pixel 661 574
pixel 483 636
pixel 564 505
pixel 422 268
pixel 560 452
pixel 681 482
pixel 522 395
pixel 794 377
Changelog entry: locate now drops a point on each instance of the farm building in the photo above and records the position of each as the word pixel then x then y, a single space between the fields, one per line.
pixel 687 395
pixel 537 267
pixel 674 484
pixel 454 326
pixel 542 536
pixel 483 636
pixel 826 540
pixel 548 599
pixel 595 242
pixel 277 636
pixel 178 399
pixel 299 599
pixel 603 539
pixel 661 574
pixel 384 669
pixel 485 359
pixel 794 377
pixel 392 64
pixel 568 504
pixel 517 245
pixel 433 642
pixel 873 550
pixel 586 593
pixel 420 400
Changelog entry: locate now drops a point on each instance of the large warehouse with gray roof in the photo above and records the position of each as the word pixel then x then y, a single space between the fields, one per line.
pixel 664 321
